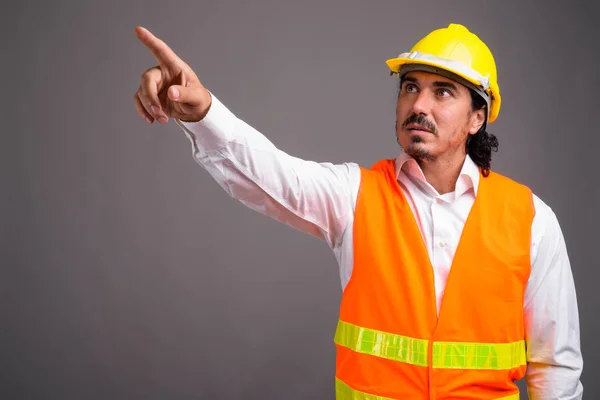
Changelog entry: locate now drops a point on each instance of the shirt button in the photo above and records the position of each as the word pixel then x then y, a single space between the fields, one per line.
pixel 438 200
pixel 442 244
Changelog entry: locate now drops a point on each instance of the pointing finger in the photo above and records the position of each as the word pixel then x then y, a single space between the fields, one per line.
pixel 159 49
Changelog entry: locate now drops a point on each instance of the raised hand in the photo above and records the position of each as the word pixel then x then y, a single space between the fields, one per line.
pixel 171 89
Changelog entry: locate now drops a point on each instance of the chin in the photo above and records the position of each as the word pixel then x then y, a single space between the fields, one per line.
pixel 419 152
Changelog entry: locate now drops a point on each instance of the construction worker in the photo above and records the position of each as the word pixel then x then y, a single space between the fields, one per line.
pixel 456 280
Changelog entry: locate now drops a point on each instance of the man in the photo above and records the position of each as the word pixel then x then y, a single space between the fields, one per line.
pixel 456 279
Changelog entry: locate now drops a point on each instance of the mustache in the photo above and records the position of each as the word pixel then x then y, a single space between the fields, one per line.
pixel 421 121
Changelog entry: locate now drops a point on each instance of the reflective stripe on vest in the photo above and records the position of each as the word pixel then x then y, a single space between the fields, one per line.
pixel 345 392
pixel 456 355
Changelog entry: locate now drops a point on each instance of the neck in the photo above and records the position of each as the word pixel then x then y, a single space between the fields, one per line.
pixel 443 173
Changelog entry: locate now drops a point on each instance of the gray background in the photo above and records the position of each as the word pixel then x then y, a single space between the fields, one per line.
pixel 128 274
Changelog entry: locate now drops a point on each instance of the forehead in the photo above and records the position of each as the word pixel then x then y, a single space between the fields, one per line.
pixel 429 78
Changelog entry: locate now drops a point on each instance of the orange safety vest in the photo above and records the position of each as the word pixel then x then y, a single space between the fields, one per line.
pixel 390 342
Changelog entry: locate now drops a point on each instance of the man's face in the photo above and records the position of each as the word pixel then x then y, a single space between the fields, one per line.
pixel 434 116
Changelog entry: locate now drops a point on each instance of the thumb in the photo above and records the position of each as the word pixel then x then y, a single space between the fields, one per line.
pixel 193 96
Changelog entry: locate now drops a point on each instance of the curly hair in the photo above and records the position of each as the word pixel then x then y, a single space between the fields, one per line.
pixel 481 144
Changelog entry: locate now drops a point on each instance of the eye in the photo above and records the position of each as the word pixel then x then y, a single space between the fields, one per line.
pixel 443 92
pixel 410 88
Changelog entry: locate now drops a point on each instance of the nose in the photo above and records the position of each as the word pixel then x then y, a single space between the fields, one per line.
pixel 422 103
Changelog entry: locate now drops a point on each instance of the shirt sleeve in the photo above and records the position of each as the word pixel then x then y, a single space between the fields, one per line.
pixel 554 361
pixel 316 198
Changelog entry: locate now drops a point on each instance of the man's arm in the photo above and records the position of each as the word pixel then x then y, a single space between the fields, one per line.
pixel 316 198
pixel 554 361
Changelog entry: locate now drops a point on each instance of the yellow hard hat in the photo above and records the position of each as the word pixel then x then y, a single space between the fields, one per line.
pixel 456 50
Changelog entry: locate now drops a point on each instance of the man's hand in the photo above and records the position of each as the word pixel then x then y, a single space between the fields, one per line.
pixel 170 89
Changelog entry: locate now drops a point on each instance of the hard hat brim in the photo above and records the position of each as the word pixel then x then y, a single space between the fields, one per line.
pixel 395 64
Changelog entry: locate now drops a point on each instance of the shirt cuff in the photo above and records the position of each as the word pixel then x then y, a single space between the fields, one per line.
pixel 215 130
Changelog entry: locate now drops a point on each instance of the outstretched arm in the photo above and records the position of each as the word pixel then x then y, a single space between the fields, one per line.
pixel 317 198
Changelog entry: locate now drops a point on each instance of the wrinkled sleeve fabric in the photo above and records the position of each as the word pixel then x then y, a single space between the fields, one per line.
pixel 554 360
pixel 316 198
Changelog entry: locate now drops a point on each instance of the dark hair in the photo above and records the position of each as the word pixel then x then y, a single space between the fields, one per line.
pixel 481 144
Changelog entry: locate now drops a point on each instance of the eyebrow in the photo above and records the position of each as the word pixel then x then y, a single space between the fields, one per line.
pixel 438 84
pixel 449 85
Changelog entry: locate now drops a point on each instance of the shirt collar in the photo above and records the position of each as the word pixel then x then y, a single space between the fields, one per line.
pixel 467 179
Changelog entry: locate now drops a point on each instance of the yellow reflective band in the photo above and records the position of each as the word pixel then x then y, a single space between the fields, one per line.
pixel 345 392
pixel 381 344
pixel 455 355
pixel 461 355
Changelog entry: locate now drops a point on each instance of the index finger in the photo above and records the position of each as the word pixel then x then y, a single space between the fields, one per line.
pixel 159 49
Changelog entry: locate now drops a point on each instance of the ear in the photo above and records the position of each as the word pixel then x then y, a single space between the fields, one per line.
pixel 477 120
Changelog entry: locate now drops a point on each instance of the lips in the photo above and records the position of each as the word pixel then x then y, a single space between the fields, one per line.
pixel 416 127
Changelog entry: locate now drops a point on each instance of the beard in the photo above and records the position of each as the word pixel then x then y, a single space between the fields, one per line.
pixel 418 151
pixel 415 149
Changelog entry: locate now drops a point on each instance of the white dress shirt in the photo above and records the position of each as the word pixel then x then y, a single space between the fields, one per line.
pixel 320 198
